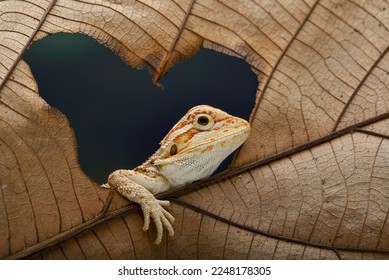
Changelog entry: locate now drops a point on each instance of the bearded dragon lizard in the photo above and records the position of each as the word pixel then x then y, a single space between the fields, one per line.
pixel 192 150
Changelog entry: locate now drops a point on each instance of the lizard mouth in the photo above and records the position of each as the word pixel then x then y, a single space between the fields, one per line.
pixel 241 134
pixel 201 157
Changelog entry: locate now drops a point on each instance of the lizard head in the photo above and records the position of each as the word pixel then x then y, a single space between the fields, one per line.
pixel 198 143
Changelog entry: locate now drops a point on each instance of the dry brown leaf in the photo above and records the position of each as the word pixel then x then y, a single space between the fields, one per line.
pixel 312 181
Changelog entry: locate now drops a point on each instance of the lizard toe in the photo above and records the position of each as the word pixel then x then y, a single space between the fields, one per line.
pixel 146 218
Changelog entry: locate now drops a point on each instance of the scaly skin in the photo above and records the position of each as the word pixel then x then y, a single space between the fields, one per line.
pixel 191 151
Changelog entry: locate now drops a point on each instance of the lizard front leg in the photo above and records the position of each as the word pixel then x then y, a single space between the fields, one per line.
pixel 151 207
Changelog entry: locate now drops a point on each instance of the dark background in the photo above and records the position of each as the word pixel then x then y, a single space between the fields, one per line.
pixel 118 115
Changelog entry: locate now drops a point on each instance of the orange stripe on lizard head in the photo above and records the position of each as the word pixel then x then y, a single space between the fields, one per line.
pixel 187 136
pixel 208 148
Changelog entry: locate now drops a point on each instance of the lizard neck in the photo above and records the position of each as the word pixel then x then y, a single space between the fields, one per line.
pixel 148 176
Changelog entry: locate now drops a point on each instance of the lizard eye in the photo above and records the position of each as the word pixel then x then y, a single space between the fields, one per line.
pixel 203 122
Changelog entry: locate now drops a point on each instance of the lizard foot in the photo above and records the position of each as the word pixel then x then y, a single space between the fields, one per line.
pixel 160 216
pixel 151 206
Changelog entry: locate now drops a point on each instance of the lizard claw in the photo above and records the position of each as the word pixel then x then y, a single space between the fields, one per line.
pixel 160 216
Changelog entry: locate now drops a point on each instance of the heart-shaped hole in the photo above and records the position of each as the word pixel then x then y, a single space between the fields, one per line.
pixel 118 115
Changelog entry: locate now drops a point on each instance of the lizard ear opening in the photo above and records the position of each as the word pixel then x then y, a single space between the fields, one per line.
pixel 203 122
pixel 173 150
